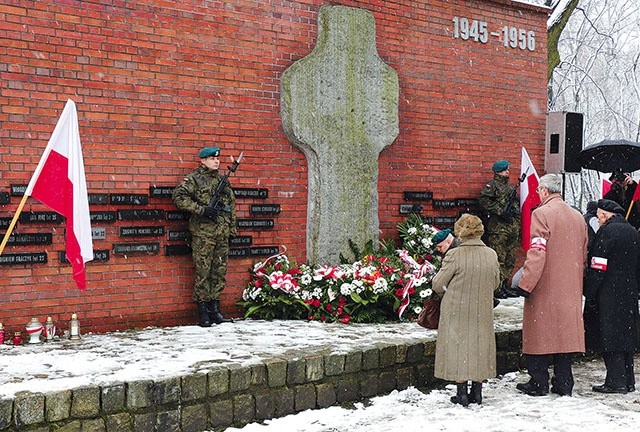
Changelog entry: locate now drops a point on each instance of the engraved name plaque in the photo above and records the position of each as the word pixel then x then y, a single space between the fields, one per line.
pixel 146 231
pixel 133 248
pixel 24 258
pixel 444 203
pixel 140 214
pixel 179 235
pixel 35 217
pixel 173 216
pixel 238 252
pixel 250 193
pixel 98 199
pixel 417 196
pixel 129 199
pixel 467 202
pixel 255 223
pixel 103 216
pixel 98 255
pixel 241 241
pixel 427 220
pixel 161 191
pixel 17 189
pixel 264 208
pixel 175 250
pixel 5 222
pixel 4 198
pixel 263 250
pixel 31 239
pixel 444 221
pixel 410 208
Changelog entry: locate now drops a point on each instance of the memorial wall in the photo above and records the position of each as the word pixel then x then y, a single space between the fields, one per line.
pixel 154 82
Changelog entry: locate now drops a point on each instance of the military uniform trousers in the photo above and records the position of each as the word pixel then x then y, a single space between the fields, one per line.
pixel 504 242
pixel 210 257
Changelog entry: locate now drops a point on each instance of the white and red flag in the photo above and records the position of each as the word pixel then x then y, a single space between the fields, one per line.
pixel 529 197
pixel 59 182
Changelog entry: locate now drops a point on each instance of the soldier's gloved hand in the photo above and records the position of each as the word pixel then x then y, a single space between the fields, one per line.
pixel 211 212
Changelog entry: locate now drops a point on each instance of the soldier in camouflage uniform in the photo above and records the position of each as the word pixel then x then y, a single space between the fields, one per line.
pixel 210 230
pixel 502 221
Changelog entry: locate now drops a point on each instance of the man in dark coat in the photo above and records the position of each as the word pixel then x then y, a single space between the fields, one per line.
pixel 611 293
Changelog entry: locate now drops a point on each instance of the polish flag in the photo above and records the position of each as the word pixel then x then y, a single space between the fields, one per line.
pixel 60 184
pixel 529 198
pixel 605 184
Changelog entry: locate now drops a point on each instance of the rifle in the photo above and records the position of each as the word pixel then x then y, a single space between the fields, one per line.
pixel 508 206
pixel 216 198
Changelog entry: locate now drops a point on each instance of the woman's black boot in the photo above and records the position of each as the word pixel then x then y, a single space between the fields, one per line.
pixel 475 395
pixel 461 396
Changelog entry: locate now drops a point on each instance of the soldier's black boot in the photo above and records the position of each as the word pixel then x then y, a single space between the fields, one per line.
pixel 215 314
pixel 475 394
pixel 461 396
pixel 203 315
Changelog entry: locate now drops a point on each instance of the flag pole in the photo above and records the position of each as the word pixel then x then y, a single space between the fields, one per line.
pixel 626 217
pixel 13 223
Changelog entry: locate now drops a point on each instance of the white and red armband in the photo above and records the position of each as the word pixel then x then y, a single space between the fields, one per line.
pixel 539 243
pixel 599 263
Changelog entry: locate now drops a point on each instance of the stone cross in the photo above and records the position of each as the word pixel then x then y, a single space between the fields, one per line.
pixel 340 107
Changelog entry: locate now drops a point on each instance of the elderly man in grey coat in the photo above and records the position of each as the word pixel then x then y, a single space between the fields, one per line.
pixel 552 325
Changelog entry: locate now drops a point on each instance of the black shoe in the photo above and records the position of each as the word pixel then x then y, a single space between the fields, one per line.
pixel 510 292
pixel 461 396
pixel 531 389
pixel 500 294
pixel 214 312
pixel 631 388
pixel 203 315
pixel 496 302
pixel 560 392
pixel 604 388
pixel 475 394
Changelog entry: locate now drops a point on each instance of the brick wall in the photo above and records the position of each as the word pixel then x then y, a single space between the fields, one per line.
pixel 155 81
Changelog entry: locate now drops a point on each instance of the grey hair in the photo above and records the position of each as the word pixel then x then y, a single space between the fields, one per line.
pixel 551 182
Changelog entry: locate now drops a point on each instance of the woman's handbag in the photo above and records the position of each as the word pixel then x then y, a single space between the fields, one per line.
pixel 430 314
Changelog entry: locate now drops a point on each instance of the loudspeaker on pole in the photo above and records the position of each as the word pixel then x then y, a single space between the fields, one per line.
pixel 564 141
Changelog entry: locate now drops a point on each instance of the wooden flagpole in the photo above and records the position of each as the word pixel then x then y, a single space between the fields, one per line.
pixel 13 223
pixel 626 217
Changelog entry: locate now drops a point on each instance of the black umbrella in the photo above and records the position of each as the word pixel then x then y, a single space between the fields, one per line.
pixel 611 155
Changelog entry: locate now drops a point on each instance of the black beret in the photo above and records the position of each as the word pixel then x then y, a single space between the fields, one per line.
pixel 610 206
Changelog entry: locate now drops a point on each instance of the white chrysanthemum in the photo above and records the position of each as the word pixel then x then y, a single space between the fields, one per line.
pixel 429 291
pixel 413 231
pixel 424 293
pixel 380 285
pixel 417 309
pixel 305 279
pixel 346 289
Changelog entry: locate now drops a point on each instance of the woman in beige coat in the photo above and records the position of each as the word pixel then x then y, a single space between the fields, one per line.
pixel 466 346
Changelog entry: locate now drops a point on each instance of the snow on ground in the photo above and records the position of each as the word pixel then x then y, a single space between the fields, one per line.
pixel 170 351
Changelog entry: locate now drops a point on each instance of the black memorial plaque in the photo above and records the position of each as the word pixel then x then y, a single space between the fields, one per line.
pixel 444 203
pixel 269 209
pixel 23 258
pixel 141 231
pixel 18 189
pixel 174 216
pixel 175 250
pixel 467 202
pixel 98 255
pixel 5 222
pixel 417 196
pixel 444 221
pixel 410 208
pixel 36 217
pixel 241 241
pixel 263 250
pixel 129 199
pixel 161 191
pixel 255 223
pixel 98 199
pixel 4 198
pixel 427 220
pixel 140 214
pixel 30 239
pixel 238 252
pixel 103 216
pixel 251 193
pixel 133 248
pixel 179 236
